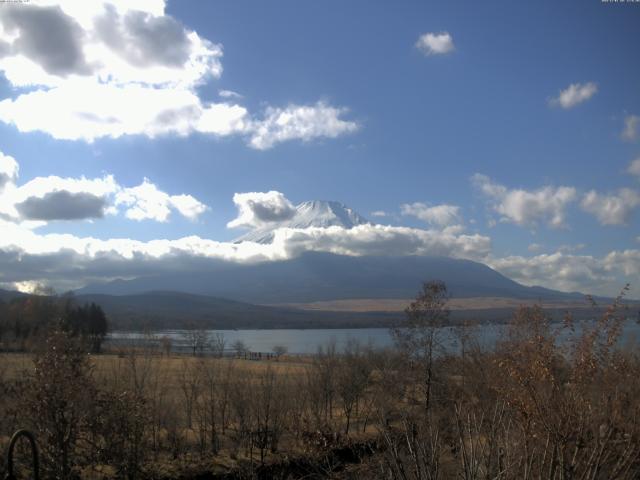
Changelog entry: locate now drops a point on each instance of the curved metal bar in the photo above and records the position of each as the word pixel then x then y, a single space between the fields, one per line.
pixel 34 454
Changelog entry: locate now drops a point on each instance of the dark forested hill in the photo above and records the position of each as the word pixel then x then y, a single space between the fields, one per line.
pixel 162 309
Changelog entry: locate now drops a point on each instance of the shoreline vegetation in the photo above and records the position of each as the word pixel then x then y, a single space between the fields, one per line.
pixel 529 407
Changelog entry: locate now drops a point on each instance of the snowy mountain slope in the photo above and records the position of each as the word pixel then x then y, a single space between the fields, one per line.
pixel 315 213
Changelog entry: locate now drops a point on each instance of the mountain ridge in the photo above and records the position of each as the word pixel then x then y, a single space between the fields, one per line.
pixel 321 276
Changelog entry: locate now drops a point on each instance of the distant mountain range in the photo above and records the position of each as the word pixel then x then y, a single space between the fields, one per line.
pixel 167 310
pixel 160 310
pixel 8 295
pixel 315 213
pixel 315 276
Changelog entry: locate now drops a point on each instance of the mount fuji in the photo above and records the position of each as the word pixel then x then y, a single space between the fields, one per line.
pixel 314 213
pixel 320 276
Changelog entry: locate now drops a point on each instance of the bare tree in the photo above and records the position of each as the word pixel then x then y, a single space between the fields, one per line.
pixel 190 389
pixel 197 339
pixel 269 407
pixel 418 336
pixel 62 390
pixel 166 343
pixel 241 412
pixel 223 396
pixel 279 350
pixel 239 347
pixel 352 379
pixel 206 405
pixel 218 344
pixel 323 380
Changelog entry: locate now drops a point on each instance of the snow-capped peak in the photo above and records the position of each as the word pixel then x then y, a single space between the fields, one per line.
pixel 317 213
pixel 314 213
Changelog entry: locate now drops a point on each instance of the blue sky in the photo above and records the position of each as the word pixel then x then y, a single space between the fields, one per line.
pixel 394 109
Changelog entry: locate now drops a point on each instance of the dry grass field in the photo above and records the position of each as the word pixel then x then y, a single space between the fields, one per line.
pixel 20 365
pixel 192 406
pixel 399 304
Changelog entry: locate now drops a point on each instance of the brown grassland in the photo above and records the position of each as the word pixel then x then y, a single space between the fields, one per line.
pixel 400 304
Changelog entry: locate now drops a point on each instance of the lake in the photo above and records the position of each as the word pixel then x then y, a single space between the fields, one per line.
pixel 308 341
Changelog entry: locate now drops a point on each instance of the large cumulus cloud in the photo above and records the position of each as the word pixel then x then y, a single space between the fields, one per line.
pixel 527 207
pixel 46 199
pixel 260 209
pixel 612 208
pixel 47 37
pixel 110 68
pixel 442 215
pixel 570 272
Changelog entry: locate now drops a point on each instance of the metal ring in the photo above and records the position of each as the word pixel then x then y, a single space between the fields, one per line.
pixel 34 453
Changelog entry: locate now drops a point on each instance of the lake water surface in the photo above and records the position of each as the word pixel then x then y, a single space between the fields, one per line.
pixel 308 341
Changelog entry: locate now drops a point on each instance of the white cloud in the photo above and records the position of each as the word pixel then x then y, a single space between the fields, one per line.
pixel 299 122
pixel 379 213
pixel 440 215
pixel 117 42
pixel 108 68
pixel 258 209
pixel 382 240
pixel 535 247
pixel 147 202
pixel 435 43
pixel 45 36
pixel 627 261
pixel 524 207
pixel 634 168
pixel 566 271
pixel 86 110
pixel 85 12
pixel 574 95
pixel 631 128
pixel 188 206
pixel 8 170
pixel 571 248
pixel 611 209
pixel 229 94
pixel 223 119
pixel 55 198
pixel 44 199
pixel 561 271
pixel 40 186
